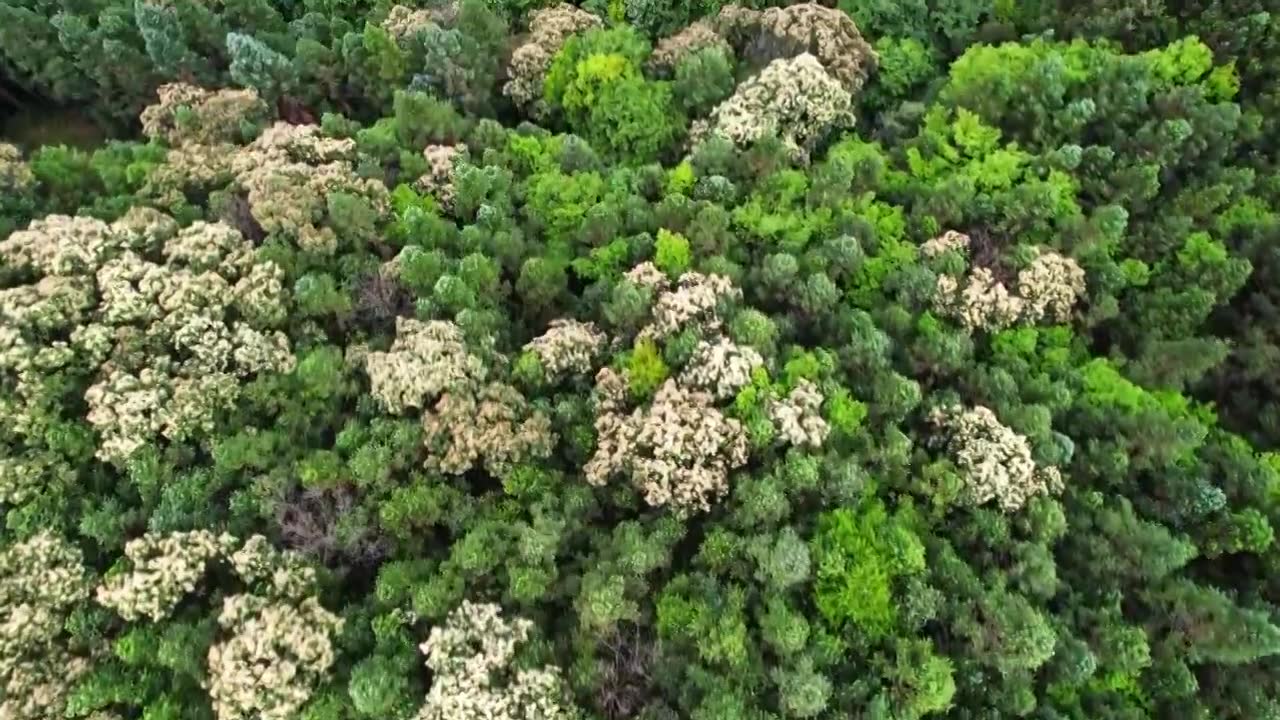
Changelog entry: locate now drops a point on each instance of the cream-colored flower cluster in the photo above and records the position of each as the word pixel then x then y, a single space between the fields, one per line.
pixel 277 653
pixel 817 60
pixel 15 174
pixel 792 98
pixel 145 228
pixel 982 303
pixel 190 167
pixel 995 461
pixel 285 142
pixel 285 573
pixel 41 580
pixel 257 295
pixel 700 35
pixel 65 246
pixel 693 302
pixel 1049 287
pixel 490 425
pixel 280 640
pixel 827 33
pixel 403 22
pixel 949 241
pixel 798 416
pixel 171 320
pixel 721 367
pixel 438 180
pixel 165 569
pixel 778 33
pixel 549 28
pixel 425 360
pixel 646 274
pixel 471 656
pixel 190 114
pixel 471 422
pixel 205 247
pixel 201 128
pixel 568 347
pixel 289 173
pixel 129 410
pixel 23 476
pixel 678 451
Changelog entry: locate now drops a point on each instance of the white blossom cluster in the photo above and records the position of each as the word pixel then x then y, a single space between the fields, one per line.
pixel 129 410
pixel 279 643
pixel 426 359
pixel 438 179
pixel 286 142
pixel 277 653
pixel 646 274
pixel 41 580
pixel 995 461
pixel 693 302
pixel 762 36
pixel 49 305
pixel 170 321
pixel 677 451
pixel 64 246
pixel 680 449
pixel 798 416
pixel 491 425
pixel 15 174
pixel 23 475
pixel 700 35
pixel 188 167
pixel 285 574
pixel 189 114
pixel 1049 287
pixel 549 29
pixel 471 657
pixel 403 22
pixel 827 33
pixel 289 173
pixel 165 569
pixel 471 422
pixel 982 303
pixel 721 367
pixel 792 98
pixel 568 347
pixel 949 241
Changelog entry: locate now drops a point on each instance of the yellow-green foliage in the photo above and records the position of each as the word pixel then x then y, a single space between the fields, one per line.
pixel 859 554
pixel 671 253
pixel 645 369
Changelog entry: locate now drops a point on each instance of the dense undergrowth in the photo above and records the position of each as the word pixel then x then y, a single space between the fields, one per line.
pixel 643 359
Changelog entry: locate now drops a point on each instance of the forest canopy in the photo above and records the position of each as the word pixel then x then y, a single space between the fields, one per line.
pixel 640 360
